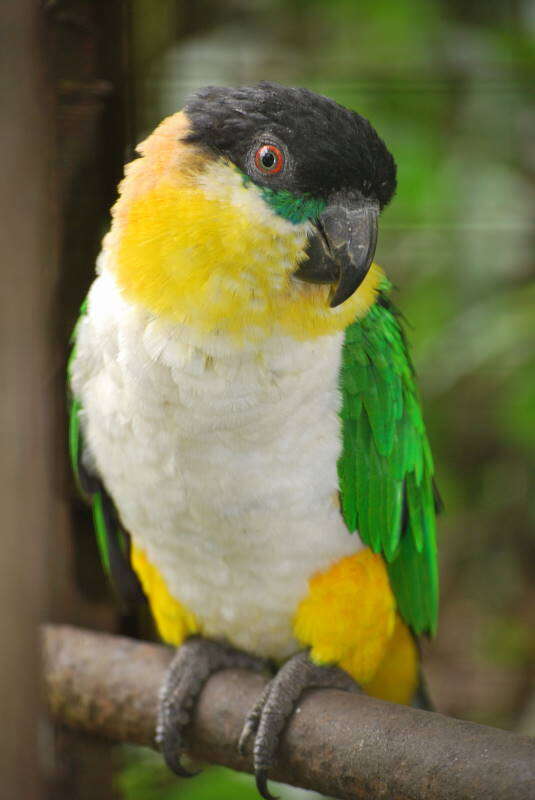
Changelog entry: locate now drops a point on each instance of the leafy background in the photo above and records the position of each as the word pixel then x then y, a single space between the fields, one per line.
pixel 449 86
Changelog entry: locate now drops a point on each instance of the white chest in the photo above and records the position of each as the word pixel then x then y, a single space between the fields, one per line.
pixel 221 461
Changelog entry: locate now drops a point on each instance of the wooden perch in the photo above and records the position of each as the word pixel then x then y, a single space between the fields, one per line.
pixel 342 745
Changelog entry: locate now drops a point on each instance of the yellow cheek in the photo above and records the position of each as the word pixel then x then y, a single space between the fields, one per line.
pixel 196 260
pixel 209 264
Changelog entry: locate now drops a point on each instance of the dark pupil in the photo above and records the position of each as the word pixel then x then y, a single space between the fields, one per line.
pixel 268 159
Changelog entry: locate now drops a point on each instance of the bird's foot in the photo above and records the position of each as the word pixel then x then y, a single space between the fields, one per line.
pixel 194 662
pixel 277 703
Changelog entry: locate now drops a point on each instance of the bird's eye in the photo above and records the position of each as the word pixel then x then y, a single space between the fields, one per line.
pixel 269 159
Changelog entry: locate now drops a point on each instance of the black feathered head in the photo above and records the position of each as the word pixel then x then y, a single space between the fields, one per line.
pixel 294 140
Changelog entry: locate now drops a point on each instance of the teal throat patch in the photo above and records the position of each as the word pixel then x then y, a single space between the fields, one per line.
pixel 293 207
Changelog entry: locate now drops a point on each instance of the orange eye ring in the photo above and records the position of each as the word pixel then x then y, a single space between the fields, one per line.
pixel 269 159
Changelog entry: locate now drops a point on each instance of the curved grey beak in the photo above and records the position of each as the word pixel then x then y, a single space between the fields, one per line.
pixel 341 249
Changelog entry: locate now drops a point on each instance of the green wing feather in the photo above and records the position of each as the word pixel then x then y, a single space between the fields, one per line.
pixel 386 468
pixel 113 542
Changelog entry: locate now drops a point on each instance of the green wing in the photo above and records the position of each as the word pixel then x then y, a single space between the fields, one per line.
pixel 113 541
pixel 386 468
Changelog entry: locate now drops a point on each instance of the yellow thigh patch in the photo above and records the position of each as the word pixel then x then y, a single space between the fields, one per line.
pixel 348 616
pixel 396 679
pixel 173 620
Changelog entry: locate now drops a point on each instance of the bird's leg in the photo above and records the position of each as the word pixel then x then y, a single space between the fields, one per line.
pixel 194 662
pixel 277 703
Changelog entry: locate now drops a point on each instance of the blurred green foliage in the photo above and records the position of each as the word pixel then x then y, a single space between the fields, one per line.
pixel 143 776
pixel 449 86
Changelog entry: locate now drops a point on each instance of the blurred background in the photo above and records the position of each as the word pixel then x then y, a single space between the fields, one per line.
pixel 449 85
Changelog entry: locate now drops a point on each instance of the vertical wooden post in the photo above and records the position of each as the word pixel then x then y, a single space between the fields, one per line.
pixel 28 274
pixel 87 54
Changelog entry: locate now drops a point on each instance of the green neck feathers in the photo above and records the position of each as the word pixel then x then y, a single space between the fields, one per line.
pixel 292 207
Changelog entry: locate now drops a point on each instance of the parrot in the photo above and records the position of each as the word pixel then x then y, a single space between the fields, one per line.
pixel 244 416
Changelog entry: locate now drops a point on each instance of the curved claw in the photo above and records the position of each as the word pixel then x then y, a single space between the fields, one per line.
pixel 248 731
pixel 191 667
pixel 252 720
pixel 261 779
pixel 171 749
pixel 180 770
pixel 267 719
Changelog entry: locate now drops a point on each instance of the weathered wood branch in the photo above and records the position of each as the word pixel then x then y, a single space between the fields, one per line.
pixel 345 746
